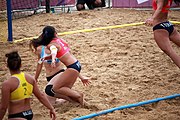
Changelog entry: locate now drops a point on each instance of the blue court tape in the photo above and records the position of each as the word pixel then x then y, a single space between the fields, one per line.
pixel 126 106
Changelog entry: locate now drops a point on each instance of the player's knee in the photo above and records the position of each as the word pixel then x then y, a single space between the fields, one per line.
pixel 167 51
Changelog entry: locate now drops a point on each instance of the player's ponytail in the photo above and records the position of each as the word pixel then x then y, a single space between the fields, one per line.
pixel 34 43
pixel 47 35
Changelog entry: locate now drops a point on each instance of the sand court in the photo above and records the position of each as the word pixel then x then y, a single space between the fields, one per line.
pixel 125 64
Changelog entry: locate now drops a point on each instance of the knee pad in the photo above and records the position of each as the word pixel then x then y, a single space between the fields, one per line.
pixel 49 91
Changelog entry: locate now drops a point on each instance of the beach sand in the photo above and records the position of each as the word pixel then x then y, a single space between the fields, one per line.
pixel 125 64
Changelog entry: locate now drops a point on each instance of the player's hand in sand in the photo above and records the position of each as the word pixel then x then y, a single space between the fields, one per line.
pixel 52 114
pixel 85 80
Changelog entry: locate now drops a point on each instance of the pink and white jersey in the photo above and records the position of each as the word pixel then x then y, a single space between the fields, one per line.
pixel 64 47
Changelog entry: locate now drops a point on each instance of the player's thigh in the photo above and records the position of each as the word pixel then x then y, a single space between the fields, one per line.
pixel 162 39
pixel 65 79
pixel 175 37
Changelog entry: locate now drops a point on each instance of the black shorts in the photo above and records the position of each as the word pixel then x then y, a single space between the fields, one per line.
pixel 50 77
pixel 76 66
pixel 28 115
pixel 165 25
pixel 49 91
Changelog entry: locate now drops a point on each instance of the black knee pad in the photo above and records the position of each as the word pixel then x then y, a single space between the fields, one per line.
pixel 49 91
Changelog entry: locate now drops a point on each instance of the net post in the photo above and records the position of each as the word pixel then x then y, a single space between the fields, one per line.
pixel 47 6
pixel 10 36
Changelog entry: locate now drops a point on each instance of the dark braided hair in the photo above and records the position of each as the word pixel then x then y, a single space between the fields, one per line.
pixel 13 60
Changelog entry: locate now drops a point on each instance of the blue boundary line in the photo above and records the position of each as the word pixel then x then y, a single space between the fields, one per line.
pixel 126 106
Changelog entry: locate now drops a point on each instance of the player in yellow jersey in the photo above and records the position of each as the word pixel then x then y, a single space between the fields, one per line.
pixel 17 91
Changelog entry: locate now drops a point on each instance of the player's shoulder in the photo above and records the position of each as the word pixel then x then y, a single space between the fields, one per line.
pixel 29 78
pixel 39 49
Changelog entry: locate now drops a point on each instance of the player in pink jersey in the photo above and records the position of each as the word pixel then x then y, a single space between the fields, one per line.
pixel 44 59
pixel 61 84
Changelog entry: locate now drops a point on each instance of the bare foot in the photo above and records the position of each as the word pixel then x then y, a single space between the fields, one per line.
pixel 81 100
pixel 60 101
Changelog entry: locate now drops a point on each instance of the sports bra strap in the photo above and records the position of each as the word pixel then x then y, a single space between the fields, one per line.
pixel 42 51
